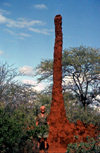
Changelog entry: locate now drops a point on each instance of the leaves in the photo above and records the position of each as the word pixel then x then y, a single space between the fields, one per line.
pixel 10 130
pixel 45 69
pixel 81 71
pixel 84 147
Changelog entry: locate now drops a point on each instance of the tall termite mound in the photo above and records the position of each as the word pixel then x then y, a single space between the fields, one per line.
pixel 57 116
pixel 61 132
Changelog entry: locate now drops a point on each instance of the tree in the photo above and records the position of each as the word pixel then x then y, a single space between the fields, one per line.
pixel 81 71
pixel 7 76
pixel 19 94
pixel 45 70
pixel 12 92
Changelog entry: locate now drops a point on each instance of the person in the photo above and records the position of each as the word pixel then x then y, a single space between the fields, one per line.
pixel 41 122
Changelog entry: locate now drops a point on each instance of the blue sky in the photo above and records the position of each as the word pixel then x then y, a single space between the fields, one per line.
pixel 27 29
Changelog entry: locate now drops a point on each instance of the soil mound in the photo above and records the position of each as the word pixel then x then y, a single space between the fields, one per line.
pixel 61 131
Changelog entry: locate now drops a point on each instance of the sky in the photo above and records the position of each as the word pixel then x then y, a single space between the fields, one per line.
pixel 27 30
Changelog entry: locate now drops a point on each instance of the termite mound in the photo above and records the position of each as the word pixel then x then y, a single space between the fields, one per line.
pixel 61 132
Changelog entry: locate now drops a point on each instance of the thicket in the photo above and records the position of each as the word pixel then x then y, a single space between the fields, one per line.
pixel 13 128
pixel 91 146
pixel 18 132
pixel 76 112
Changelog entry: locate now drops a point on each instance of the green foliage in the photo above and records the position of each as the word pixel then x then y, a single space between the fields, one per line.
pixel 27 146
pixel 81 65
pixel 37 129
pixel 30 138
pixel 15 136
pixel 45 70
pixel 44 99
pixel 81 57
pixel 11 130
pixel 14 119
pixel 75 113
pixel 68 96
pixel 91 146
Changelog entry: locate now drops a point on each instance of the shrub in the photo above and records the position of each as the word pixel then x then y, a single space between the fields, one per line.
pixel 91 146
pixel 88 116
pixel 11 130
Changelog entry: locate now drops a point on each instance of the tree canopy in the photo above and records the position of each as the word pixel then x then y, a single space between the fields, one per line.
pixel 81 71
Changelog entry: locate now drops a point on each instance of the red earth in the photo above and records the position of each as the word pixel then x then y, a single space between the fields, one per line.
pixel 61 131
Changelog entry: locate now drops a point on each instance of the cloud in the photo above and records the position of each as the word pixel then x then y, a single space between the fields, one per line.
pixel 19 23
pixel 23 23
pixel 10 31
pixel 36 86
pixel 40 6
pixel 41 31
pixel 24 35
pixel 29 82
pixel 7 4
pixel 2 11
pixel 26 70
pixel 40 86
pixel 20 35
pixel 1 52
pixel 67 80
pixel 3 19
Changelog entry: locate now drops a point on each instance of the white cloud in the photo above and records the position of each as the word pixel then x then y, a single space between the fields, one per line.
pixel 26 70
pixel 23 23
pixel 3 19
pixel 36 86
pixel 40 6
pixel 41 31
pixel 68 80
pixel 1 52
pixel 29 82
pixel 40 87
pixel 19 23
pixel 20 35
pixel 24 34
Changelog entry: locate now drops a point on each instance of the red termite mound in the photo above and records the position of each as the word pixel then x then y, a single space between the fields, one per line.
pixel 61 132
pixel 57 116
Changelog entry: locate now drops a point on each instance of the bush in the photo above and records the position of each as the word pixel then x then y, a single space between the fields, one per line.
pixel 75 113
pixel 14 136
pixel 91 146
pixel 11 131
pixel 28 142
